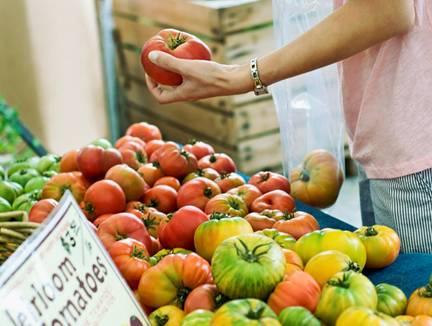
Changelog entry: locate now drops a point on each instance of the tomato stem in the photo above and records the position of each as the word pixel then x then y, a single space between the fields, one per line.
pixel 265 176
pixel 138 252
pixel 304 176
pixel 218 216
pixel 208 192
pixel 161 320
pixel 175 42
pixel 182 294
pixel 140 157
pixel 156 164
pixel 248 255
pixel 370 231
pixel 340 282
pixel 353 266
pixel 212 158
pixel 255 314
pixel 120 236
pixel 426 291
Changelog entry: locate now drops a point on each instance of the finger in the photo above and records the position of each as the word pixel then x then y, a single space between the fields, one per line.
pixel 166 61
pixel 151 84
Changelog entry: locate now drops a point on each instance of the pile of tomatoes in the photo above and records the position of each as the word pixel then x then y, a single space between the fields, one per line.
pixel 200 246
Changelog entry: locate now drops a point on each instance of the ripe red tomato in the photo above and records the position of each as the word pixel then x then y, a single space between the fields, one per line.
pixel 179 44
pixel 163 198
pixel 297 224
pixel 129 180
pixel 156 154
pixel 94 161
pixel 180 230
pixel 225 203
pixel 229 181
pixel 156 246
pixel 168 181
pixel 175 162
pixel 133 154
pixel 104 197
pixel 40 211
pixel 126 139
pixel 246 192
pixel 199 149
pixel 152 218
pixel 153 145
pixel 151 172
pixel 122 226
pixel 222 163
pixel 205 297
pixel 58 184
pixel 265 219
pixel 68 162
pixel 267 181
pixel 129 257
pixel 101 219
pixel 197 192
pixel 208 173
pixel 275 199
pixel 145 131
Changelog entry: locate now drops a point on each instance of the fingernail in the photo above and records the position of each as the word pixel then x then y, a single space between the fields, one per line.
pixel 153 56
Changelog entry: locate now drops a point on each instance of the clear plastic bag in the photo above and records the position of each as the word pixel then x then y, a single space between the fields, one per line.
pixel 308 106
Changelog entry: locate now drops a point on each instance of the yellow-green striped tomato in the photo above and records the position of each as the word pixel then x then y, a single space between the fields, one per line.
pixel 360 316
pixel 391 300
pixel 198 317
pixel 297 316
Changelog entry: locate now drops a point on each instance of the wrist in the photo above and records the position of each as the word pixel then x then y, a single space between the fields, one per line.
pixel 240 80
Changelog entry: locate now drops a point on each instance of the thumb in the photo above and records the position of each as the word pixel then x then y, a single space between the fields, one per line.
pixel 166 61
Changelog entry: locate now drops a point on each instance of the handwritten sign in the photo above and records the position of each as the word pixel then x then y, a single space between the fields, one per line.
pixel 63 276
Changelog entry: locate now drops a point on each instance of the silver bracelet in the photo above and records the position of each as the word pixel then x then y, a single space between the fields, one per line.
pixel 259 87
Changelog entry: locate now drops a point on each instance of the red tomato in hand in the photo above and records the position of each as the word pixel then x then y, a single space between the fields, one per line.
pixel 176 163
pixel 197 192
pixel 180 230
pixel 229 181
pixel 163 198
pixel 122 226
pixel 145 131
pixel 246 192
pixel 275 199
pixel 179 44
pixel 199 149
pixel 40 211
pixel 222 163
pixel 268 181
pixel 168 181
pixel 94 161
pixel 129 257
pixel 153 145
pixel 104 197
pixel 151 172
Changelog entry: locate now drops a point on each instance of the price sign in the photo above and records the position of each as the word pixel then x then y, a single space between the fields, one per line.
pixel 62 275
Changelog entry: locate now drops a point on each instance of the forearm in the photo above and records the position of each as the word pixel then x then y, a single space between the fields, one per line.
pixel 354 27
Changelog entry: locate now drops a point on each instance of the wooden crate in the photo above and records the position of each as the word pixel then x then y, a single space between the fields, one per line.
pixel 244 126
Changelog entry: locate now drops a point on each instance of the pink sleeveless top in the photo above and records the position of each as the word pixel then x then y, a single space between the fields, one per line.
pixel 387 99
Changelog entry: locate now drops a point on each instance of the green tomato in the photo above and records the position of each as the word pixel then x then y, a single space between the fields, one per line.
pixel 25 202
pixel 102 142
pixel 16 167
pixel 47 162
pixel 391 300
pixel 2 173
pixel 248 266
pixel 5 206
pixel 198 317
pixel 24 176
pixel 284 240
pixel 35 183
pixel 245 312
pixel 342 291
pixel 298 316
pixel 7 191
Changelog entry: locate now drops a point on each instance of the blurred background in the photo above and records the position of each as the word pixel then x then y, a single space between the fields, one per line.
pixel 72 71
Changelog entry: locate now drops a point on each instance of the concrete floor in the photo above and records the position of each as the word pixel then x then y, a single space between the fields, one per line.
pixel 347 207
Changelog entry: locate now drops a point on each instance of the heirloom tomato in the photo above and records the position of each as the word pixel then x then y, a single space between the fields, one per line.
pixel 129 255
pixel 275 199
pixel 197 192
pixel 246 192
pixel 101 219
pixel 198 317
pixel 245 312
pixel 208 173
pixel 168 145
pixel 175 162
pixel 420 301
pixel 206 297
pixel 222 163
pixel 391 300
pixel 179 231
pixel 284 240
pixel 152 218
pixel 168 315
pixel 292 258
pixel 220 227
pixel 156 246
pixel 267 181
pixel 199 149
pixel 104 197
pixel 68 162
pixel 150 172
pixel 145 131
pixel 229 181
pixel 297 289
pixel 94 161
pixel 342 291
pixel 133 154
pixel 127 139
pixel 264 220
pixel 248 266
pixel 129 180
pixel 297 316
pixel 325 264
pixel 58 184
pixel 178 44
pixel 382 245
pixel 172 279
pixel 330 239
pixel 122 226
pixel 359 316
pixel 158 256
pixel 225 203
pixel 297 224
pixel 168 181
pixel 40 211
pixel 153 145
pixel 419 320
pixel 317 180
pixel 163 198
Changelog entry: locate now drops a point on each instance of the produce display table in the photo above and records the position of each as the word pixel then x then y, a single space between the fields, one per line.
pixel 408 272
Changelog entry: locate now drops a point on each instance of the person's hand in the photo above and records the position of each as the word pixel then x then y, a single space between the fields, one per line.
pixel 201 79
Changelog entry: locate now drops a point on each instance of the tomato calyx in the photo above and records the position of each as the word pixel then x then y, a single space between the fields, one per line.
pixel 264 176
pixel 212 158
pixel 170 215
pixel 64 188
pixel 182 294
pixel 200 172
pixel 370 231
pixel 352 266
pixel 340 282
pixel 218 216
pixel 251 256
pixel 175 41
pixel 233 203
pixel 255 314
pixel 220 299
pixel 426 291
pixel 161 320
pixel 185 154
pixel 208 192
pixel 89 208
pixel 304 176
pixel 140 157
pixel 138 253
pixel 120 236
pixel 192 141
pixel 156 164
pixel 153 203
pixel 149 223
